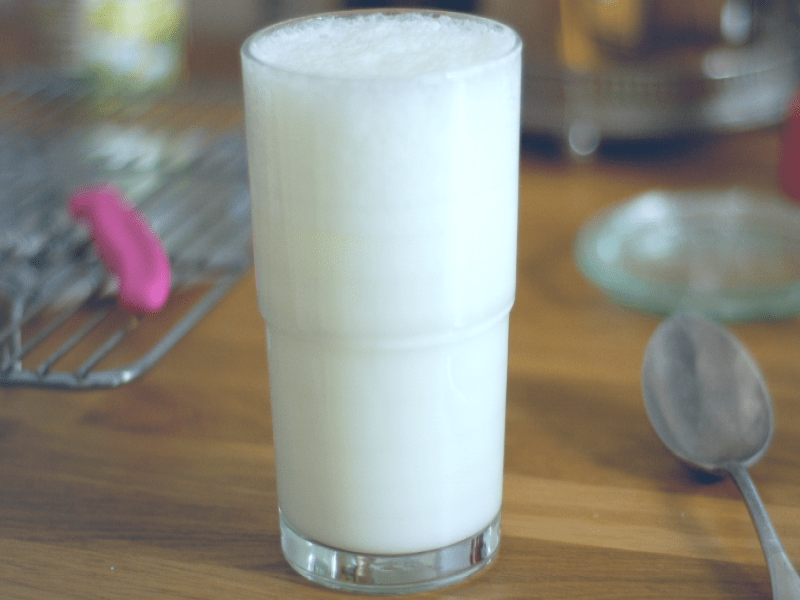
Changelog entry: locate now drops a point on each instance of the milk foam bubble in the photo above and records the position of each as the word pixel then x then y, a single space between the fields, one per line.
pixel 383 45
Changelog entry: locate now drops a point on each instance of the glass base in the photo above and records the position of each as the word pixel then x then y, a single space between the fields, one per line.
pixel 391 573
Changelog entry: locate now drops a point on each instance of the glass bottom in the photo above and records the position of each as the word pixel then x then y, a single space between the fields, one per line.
pixel 391 573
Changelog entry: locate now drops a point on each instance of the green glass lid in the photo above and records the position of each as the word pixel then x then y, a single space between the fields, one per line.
pixel 731 255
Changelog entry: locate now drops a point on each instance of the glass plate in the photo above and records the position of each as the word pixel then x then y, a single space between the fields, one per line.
pixel 731 255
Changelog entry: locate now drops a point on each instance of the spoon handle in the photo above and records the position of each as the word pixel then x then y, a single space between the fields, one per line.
pixel 785 581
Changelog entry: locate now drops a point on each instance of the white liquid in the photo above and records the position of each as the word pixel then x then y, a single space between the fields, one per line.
pixel 384 172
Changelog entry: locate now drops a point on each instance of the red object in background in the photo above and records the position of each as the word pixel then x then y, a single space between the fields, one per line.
pixel 789 174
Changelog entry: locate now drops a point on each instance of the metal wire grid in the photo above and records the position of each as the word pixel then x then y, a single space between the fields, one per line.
pixel 60 324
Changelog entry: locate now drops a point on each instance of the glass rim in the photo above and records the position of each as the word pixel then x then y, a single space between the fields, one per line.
pixel 248 56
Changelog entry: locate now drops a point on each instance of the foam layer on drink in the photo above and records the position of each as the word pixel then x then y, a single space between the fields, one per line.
pixel 383 45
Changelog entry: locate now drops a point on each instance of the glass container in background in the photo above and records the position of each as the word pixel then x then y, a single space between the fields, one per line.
pixel 130 49
pixel 129 55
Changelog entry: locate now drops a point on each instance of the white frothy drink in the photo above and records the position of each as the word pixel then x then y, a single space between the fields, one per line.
pixel 383 159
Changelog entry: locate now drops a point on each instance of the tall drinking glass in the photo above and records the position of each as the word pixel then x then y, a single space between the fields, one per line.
pixel 383 152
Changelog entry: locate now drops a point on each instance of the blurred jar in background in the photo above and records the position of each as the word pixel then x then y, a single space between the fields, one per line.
pixel 127 56
pixel 126 47
pixel 131 49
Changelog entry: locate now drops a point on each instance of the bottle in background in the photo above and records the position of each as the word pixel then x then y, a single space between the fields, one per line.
pixel 131 49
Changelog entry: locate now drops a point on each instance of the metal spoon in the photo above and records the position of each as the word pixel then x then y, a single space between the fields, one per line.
pixel 707 401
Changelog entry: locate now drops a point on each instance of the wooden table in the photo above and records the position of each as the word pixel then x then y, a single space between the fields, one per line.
pixel 165 488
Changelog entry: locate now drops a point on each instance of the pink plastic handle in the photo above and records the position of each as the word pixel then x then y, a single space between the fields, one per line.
pixel 127 246
pixel 789 167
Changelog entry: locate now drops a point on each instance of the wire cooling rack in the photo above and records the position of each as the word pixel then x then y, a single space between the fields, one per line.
pixel 60 323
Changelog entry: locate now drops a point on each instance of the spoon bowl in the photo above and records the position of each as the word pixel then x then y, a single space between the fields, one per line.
pixel 708 402
pixel 705 395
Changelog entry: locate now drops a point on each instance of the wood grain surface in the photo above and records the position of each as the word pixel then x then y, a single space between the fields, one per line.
pixel 165 488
